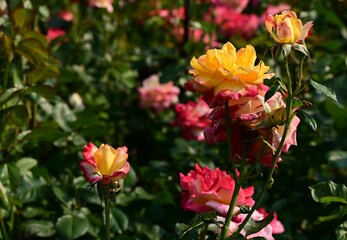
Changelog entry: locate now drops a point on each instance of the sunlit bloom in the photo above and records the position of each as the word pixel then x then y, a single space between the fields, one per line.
pixel 275 227
pixel 223 74
pixel 102 4
pixel 104 164
pixel 286 28
pixel 204 190
pixel 193 118
pixel 157 96
pixel 54 33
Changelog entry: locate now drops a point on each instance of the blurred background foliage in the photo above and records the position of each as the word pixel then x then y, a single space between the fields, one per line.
pixel 57 95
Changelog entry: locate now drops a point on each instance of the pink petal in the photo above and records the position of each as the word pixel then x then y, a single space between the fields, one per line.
pixel 90 172
pixel 88 153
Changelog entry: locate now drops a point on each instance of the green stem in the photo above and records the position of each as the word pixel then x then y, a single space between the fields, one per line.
pixel 229 136
pixel 107 218
pixel 225 228
pixel 269 179
pixel 301 75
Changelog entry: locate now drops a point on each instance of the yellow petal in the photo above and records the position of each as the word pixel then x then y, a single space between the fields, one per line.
pixel 105 158
pixel 246 57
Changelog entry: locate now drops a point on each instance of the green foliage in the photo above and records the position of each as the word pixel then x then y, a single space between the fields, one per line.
pixel 55 96
pixel 330 192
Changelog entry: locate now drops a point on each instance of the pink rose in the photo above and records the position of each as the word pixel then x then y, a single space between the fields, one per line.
pixel 157 96
pixel 204 190
pixel 193 118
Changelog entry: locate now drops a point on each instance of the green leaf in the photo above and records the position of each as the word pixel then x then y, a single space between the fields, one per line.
pixel 30 189
pixel 119 220
pixel 23 18
pixel 42 73
pixel 61 195
pixel 323 89
pixel 253 226
pixel 72 227
pixel 8 94
pixel 308 119
pixel 33 50
pixel 301 48
pixel 274 88
pixel 275 50
pixel 338 158
pixel 297 103
pixel 38 228
pixel 20 115
pixel 25 164
pixel 3 195
pixel 43 90
pixel 341 231
pixel 44 134
pixel 329 192
pixel 7 46
pixel 339 213
pixel 286 48
pixel 31 212
pixel 14 175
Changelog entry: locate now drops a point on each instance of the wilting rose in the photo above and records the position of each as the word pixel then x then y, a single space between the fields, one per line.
pixel 286 28
pixel 204 190
pixel 104 164
pixel 275 227
pixel 193 118
pixel 102 4
pixel 223 74
pixel 157 96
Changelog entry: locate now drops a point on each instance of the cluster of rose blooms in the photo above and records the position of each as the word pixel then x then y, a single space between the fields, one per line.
pixel 229 83
pixel 232 96
pixel 228 15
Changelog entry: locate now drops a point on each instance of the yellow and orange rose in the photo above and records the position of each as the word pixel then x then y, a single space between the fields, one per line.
pixel 286 28
pixel 104 164
pixel 225 73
